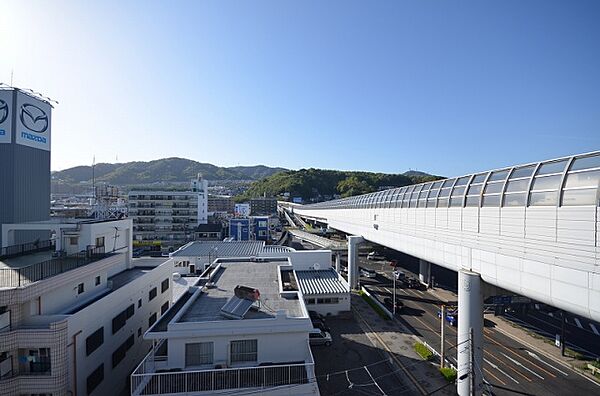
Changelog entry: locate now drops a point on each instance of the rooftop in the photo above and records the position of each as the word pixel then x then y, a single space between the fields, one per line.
pixel 123 278
pixel 258 275
pixel 220 249
pixel 320 282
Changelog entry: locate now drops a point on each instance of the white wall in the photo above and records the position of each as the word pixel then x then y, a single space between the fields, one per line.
pixel 305 259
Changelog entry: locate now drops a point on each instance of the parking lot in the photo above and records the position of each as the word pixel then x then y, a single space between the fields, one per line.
pixel 352 366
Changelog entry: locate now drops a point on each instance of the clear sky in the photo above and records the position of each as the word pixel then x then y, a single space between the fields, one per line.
pixel 448 87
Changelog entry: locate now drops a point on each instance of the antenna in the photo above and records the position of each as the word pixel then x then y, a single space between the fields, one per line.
pixel 94 177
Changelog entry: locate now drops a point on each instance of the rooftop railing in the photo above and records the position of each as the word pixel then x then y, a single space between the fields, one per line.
pixel 25 248
pixel 146 381
pixel 17 277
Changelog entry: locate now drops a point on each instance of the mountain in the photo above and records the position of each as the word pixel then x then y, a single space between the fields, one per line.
pixel 167 170
pixel 319 184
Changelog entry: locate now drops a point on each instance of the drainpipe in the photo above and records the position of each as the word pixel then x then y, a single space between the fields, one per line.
pixel 74 345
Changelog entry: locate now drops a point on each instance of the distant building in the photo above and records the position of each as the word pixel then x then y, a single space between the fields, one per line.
pixel 260 227
pixel 263 206
pixel 25 129
pixel 168 218
pixel 220 204
pixel 209 232
pixel 73 309
pixel 239 229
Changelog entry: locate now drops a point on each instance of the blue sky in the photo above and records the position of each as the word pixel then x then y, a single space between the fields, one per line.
pixel 448 87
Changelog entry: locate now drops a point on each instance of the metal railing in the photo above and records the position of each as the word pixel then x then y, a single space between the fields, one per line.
pixel 31 247
pixel 17 277
pixel 157 383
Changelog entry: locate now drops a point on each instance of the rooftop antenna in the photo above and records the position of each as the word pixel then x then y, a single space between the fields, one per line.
pixel 94 177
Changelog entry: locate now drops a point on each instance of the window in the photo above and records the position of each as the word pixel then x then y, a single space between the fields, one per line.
pixel 244 351
pixel 493 188
pixel 164 308
pixel 152 319
pixel 164 285
pixel 95 378
pixel 73 241
pixel 152 294
pixel 310 301
pixel 199 353
pixel 139 332
pixel 80 288
pixel 546 183
pixel 582 182
pixel 97 281
pixel 119 321
pixel 332 300
pixel 515 193
pixel 120 353
pixel 262 233
pixel 94 341
pixel 100 242
pixel 140 303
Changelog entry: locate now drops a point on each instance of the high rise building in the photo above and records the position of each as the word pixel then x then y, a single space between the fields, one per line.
pixel 25 129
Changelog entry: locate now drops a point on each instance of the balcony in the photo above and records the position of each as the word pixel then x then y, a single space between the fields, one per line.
pixel 152 378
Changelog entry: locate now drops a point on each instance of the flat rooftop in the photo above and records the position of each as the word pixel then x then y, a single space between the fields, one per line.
pixel 26 259
pixel 325 281
pixel 129 275
pixel 218 249
pixel 258 275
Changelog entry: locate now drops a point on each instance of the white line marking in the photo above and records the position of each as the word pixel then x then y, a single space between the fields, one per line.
pixel 373 379
pixel 594 329
pixel 578 323
pixel 519 364
pixel 533 355
pixel 500 370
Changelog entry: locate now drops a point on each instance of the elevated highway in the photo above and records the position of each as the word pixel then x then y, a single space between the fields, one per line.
pixel 533 229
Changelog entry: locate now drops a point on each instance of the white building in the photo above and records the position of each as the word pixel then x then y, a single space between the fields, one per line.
pixel 168 218
pixel 243 327
pixel 73 309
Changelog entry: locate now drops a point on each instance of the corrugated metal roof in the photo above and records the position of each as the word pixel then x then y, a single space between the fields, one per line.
pixel 320 282
pixel 277 249
pixel 220 249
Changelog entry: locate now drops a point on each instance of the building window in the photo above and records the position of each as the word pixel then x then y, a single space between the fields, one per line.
pixel 73 241
pixel 152 319
pixel 34 361
pixel 80 288
pixel 310 301
pixel 244 351
pixel 94 341
pixel 139 331
pixel 152 294
pixel 332 300
pixel 140 303
pixel 95 378
pixel 164 308
pixel 262 233
pixel 164 285
pixel 199 353
pixel 119 321
pixel 97 281
pixel 100 242
pixel 119 354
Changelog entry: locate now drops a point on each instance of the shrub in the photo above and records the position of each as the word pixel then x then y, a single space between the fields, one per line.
pixel 423 351
pixel 448 373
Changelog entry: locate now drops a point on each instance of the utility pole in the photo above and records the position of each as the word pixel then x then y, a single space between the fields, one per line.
pixel 472 358
pixel 394 296
pixel 443 336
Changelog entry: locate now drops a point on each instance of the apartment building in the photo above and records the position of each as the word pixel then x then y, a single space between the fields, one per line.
pixel 263 206
pixel 168 218
pixel 73 309
pixel 242 328
pixel 220 204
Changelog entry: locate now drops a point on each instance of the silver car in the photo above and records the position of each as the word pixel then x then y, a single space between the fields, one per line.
pixel 318 337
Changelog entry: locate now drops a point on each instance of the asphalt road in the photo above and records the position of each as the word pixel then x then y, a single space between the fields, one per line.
pixel 507 363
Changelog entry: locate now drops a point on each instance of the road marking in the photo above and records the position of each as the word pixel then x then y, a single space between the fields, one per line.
pixel 519 364
pixel 500 370
pixel 519 356
pixel 375 382
pixel 533 355
pixel 509 366
pixel 578 323
pixel 594 329
pixel 497 379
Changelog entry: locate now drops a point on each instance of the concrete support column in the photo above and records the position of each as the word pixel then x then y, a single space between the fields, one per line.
pixel 470 316
pixel 425 272
pixel 338 262
pixel 353 242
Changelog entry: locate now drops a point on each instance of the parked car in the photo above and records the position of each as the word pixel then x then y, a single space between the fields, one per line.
pixel 389 302
pixel 321 325
pixel 367 273
pixel 319 338
pixel 374 256
pixel 315 315
pixel 413 283
pixel 400 275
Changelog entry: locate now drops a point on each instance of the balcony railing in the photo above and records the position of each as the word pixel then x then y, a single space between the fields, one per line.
pixel 17 277
pixel 146 381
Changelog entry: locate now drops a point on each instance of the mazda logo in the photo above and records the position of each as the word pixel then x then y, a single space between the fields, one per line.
pixel 3 111
pixel 34 118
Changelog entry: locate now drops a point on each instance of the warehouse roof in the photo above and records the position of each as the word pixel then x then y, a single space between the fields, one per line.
pixel 220 249
pixel 320 282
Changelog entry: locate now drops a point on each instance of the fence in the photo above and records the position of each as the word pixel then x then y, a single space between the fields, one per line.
pixel 31 247
pixel 216 380
pixel 17 277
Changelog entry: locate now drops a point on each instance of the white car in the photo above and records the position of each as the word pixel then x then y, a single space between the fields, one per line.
pixel 367 273
pixel 319 338
pixel 374 256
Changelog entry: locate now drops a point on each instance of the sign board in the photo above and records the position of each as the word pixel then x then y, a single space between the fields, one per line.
pixel 33 120
pixel 242 210
pixel 557 341
pixel 297 200
pixel 6 113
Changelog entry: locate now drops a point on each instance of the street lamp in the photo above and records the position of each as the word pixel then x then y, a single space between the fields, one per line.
pixel 394 295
